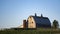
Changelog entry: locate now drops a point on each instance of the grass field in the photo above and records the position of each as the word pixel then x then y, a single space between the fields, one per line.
pixel 35 31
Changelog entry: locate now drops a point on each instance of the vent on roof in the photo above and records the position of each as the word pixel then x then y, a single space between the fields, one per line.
pixel 35 14
pixel 41 15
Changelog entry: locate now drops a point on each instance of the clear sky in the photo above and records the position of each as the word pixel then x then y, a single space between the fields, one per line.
pixel 13 12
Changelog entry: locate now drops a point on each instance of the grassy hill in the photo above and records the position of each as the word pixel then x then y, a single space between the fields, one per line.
pixel 31 31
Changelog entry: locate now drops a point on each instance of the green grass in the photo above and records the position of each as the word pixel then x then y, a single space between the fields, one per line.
pixel 37 31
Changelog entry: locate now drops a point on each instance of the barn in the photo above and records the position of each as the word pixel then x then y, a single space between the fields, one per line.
pixel 37 22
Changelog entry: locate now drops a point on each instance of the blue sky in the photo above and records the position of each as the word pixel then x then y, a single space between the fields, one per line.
pixel 13 12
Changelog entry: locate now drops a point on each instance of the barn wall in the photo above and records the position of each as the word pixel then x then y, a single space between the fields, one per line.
pixel 31 22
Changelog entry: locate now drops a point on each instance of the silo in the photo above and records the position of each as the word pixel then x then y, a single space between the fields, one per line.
pixel 24 23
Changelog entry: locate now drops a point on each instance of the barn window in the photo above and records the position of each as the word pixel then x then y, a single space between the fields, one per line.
pixel 30 16
pixel 32 22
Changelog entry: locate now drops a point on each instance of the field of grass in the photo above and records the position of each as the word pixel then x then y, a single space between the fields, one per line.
pixel 35 31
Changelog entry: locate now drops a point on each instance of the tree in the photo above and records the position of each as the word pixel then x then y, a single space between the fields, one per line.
pixel 55 24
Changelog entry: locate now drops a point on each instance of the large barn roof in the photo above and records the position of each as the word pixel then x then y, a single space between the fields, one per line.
pixel 40 20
